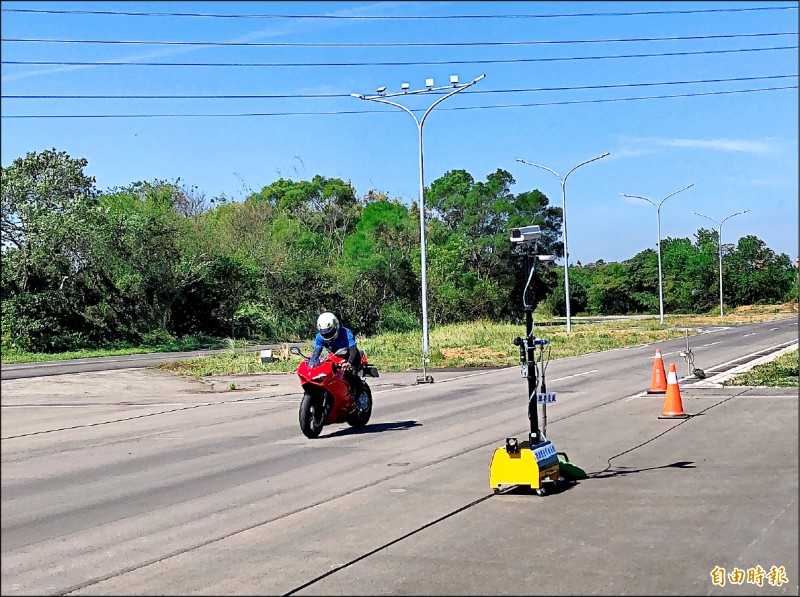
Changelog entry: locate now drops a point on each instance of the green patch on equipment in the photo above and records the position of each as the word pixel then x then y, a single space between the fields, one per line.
pixel 568 469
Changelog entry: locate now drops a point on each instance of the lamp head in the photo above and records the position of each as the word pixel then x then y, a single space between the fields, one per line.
pixel 380 89
pixel 428 82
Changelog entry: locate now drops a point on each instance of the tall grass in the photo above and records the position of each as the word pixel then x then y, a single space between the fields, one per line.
pixel 474 344
pixel 477 344
pixel 782 372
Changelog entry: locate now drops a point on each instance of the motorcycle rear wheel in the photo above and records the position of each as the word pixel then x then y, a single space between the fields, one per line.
pixel 312 415
pixel 359 418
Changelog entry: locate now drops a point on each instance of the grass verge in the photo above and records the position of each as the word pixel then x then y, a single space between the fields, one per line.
pixel 478 344
pixel 780 373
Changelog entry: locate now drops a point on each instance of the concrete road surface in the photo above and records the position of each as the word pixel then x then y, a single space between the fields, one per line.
pixel 137 482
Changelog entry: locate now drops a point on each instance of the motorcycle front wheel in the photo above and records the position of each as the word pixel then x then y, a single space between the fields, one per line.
pixel 312 415
pixel 359 418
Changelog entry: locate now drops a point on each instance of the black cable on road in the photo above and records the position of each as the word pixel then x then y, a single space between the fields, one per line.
pixel 600 474
pixel 389 544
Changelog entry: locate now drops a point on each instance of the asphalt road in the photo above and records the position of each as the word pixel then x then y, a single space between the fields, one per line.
pixel 130 361
pixel 136 482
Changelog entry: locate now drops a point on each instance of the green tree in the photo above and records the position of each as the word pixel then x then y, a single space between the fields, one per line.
pixel 327 207
pixel 48 205
pixel 376 268
pixel 580 279
pixel 475 271
pixel 642 279
pixel 700 292
pixel 144 250
pixel 753 273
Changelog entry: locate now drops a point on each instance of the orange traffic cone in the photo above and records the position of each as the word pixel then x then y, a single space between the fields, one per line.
pixel 673 407
pixel 658 384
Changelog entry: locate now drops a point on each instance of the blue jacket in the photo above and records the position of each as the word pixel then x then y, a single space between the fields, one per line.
pixel 345 338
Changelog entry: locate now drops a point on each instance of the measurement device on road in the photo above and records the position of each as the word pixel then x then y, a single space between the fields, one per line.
pixel 534 461
pixel 688 355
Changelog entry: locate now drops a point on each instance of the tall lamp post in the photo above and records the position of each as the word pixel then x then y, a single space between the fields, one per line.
pixel 381 97
pixel 564 214
pixel 658 220
pixel 719 242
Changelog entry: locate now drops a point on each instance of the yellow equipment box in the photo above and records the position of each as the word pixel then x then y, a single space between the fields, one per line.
pixel 518 464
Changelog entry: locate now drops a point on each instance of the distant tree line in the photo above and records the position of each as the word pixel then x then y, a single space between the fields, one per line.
pixel 158 260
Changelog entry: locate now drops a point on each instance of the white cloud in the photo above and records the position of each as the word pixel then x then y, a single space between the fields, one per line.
pixel 633 146
pixel 734 145
pixel 279 30
pixel 630 152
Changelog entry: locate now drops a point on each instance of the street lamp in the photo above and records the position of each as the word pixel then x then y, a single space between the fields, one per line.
pixel 564 214
pixel 658 220
pixel 719 242
pixel 381 97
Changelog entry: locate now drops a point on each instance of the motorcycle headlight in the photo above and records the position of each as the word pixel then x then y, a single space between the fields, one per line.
pixel 319 377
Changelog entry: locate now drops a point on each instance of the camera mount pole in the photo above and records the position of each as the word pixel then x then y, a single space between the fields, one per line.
pixel 529 362
pixel 517 463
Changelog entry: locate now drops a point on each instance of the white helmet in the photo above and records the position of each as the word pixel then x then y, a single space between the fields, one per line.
pixel 328 326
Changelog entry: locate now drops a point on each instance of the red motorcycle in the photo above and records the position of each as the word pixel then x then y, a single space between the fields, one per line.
pixel 327 396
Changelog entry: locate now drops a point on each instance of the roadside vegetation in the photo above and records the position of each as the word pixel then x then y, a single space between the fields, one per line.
pixel 153 262
pixel 11 355
pixel 484 344
pixel 780 373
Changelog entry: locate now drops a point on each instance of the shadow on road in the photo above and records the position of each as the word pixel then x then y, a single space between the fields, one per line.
pixel 627 470
pixel 569 483
pixel 376 428
pixel 550 488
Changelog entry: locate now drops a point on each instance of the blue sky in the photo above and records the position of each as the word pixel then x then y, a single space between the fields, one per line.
pixel 739 150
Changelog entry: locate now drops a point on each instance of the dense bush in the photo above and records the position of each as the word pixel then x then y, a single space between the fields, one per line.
pixel 155 261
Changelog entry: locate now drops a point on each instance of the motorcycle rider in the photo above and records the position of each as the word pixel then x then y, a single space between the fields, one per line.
pixel 334 336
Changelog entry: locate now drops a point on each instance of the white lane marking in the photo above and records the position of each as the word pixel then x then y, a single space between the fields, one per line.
pixel 577 374
pixel 457 377
pixel 110 405
pixel 751 334
pixel 713 343
pixel 663 354
pixel 772 329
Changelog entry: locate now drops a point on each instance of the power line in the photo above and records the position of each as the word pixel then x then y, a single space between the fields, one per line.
pixel 431 62
pixel 343 95
pixel 627 99
pixel 348 112
pixel 414 18
pixel 389 44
